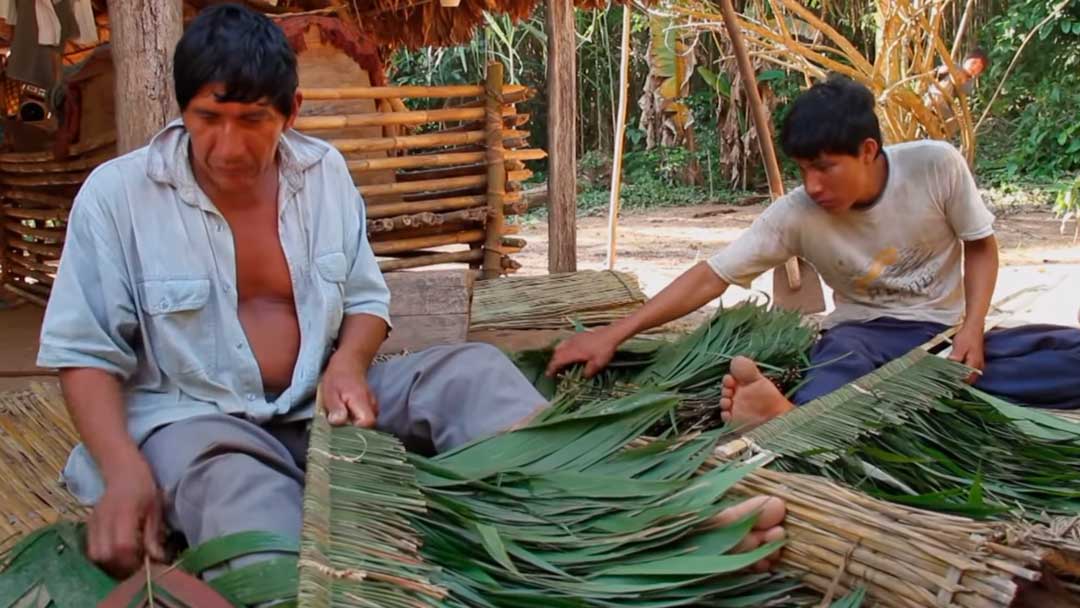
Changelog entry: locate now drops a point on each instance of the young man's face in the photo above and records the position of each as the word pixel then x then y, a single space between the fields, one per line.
pixel 974 66
pixel 233 144
pixel 837 182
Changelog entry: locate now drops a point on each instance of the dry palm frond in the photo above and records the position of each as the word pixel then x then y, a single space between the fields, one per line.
pixel 555 301
pixel 36 436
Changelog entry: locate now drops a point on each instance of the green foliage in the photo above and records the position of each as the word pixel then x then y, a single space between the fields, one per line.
pixel 1036 130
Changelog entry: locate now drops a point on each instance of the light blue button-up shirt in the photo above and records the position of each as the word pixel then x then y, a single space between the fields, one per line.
pixel 146 288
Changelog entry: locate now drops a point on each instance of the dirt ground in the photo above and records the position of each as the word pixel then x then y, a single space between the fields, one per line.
pixel 658 245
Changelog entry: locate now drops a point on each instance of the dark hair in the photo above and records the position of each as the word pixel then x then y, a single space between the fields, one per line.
pixel 241 48
pixel 834 116
pixel 978 53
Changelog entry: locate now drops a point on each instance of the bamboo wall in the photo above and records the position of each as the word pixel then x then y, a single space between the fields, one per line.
pixel 438 184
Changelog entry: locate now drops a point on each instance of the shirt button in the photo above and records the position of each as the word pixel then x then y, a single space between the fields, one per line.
pixel 239 346
pixel 163 304
pixel 219 226
pixel 251 396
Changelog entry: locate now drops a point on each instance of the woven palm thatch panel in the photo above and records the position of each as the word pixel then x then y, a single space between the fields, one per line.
pixel 35 438
pixel 555 301
pixel 348 558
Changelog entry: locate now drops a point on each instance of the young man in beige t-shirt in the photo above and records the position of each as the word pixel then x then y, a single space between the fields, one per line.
pixel 907 245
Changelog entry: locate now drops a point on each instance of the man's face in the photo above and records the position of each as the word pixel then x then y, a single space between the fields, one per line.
pixel 837 181
pixel 974 66
pixel 233 144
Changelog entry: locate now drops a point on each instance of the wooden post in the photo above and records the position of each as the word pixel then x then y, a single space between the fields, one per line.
pixel 143 38
pixel 562 137
pixel 791 270
pixel 496 170
pixel 620 135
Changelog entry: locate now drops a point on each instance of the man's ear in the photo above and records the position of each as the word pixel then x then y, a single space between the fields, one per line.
pixel 869 150
pixel 298 100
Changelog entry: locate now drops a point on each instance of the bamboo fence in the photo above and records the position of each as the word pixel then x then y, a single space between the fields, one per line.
pixel 36 193
pixel 440 193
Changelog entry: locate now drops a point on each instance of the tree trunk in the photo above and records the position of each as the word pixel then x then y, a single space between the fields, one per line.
pixel 562 137
pixel 143 37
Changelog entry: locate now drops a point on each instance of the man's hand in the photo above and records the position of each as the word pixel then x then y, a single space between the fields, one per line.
pixel 126 524
pixel 968 349
pixel 346 395
pixel 595 349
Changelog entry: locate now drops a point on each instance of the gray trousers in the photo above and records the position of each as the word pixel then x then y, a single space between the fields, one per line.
pixel 222 474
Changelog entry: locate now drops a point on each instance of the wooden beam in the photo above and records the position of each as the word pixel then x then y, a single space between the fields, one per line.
pixel 143 37
pixel 562 136
pixel 496 171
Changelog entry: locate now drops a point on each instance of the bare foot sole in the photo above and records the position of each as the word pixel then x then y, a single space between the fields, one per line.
pixel 767 528
pixel 748 398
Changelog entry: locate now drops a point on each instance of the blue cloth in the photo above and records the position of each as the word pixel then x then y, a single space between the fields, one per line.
pixel 1036 365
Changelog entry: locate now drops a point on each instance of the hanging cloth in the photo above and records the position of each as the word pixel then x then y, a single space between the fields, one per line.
pixel 48 24
pixel 8 12
pixel 69 27
pixel 30 61
pixel 84 16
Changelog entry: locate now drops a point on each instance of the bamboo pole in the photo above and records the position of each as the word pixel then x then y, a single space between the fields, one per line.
pixel 51 251
pixel 419 161
pixel 453 183
pixel 377 119
pixel 761 122
pixel 30 264
pixel 426 218
pixel 496 171
pixel 423 242
pixel 471 255
pixel 90 145
pixel 29 296
pixel 56 215
pixel 439 185
pixel 411 142
pixel 620 136
pixel 33 196
pixel 401 92
pixel 47 179
pixel 78 164
pixel 51 234
pixel 511 200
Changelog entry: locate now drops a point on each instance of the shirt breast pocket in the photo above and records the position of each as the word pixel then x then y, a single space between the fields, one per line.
pixel 333 271
pixel 178 329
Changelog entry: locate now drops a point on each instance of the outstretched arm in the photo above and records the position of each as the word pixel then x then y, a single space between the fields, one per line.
pixel 692 290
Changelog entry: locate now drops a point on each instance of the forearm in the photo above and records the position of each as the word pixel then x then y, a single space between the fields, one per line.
pixel 359 340
pixel 692 290
pixel 95 402
pixel 980 278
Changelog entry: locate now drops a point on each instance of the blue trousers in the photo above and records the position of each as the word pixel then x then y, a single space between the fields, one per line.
pixel 1035 365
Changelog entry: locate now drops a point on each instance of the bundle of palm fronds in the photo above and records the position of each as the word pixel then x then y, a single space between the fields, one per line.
pixel 562 513
pixel 693 366
pixel 555 301
pixel 914 433
pixel 907 557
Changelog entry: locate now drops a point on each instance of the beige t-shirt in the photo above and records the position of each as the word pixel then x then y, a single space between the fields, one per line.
pixel 901 257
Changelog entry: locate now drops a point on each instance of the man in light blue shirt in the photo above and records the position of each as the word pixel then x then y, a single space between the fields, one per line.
pixel 208 282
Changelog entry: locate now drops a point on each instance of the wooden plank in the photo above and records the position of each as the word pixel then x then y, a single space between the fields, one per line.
pixel 428 308
pixel 430 292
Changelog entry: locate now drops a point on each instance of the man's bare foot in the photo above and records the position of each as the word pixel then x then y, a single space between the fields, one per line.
pixel 767 528
pixel 748 398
